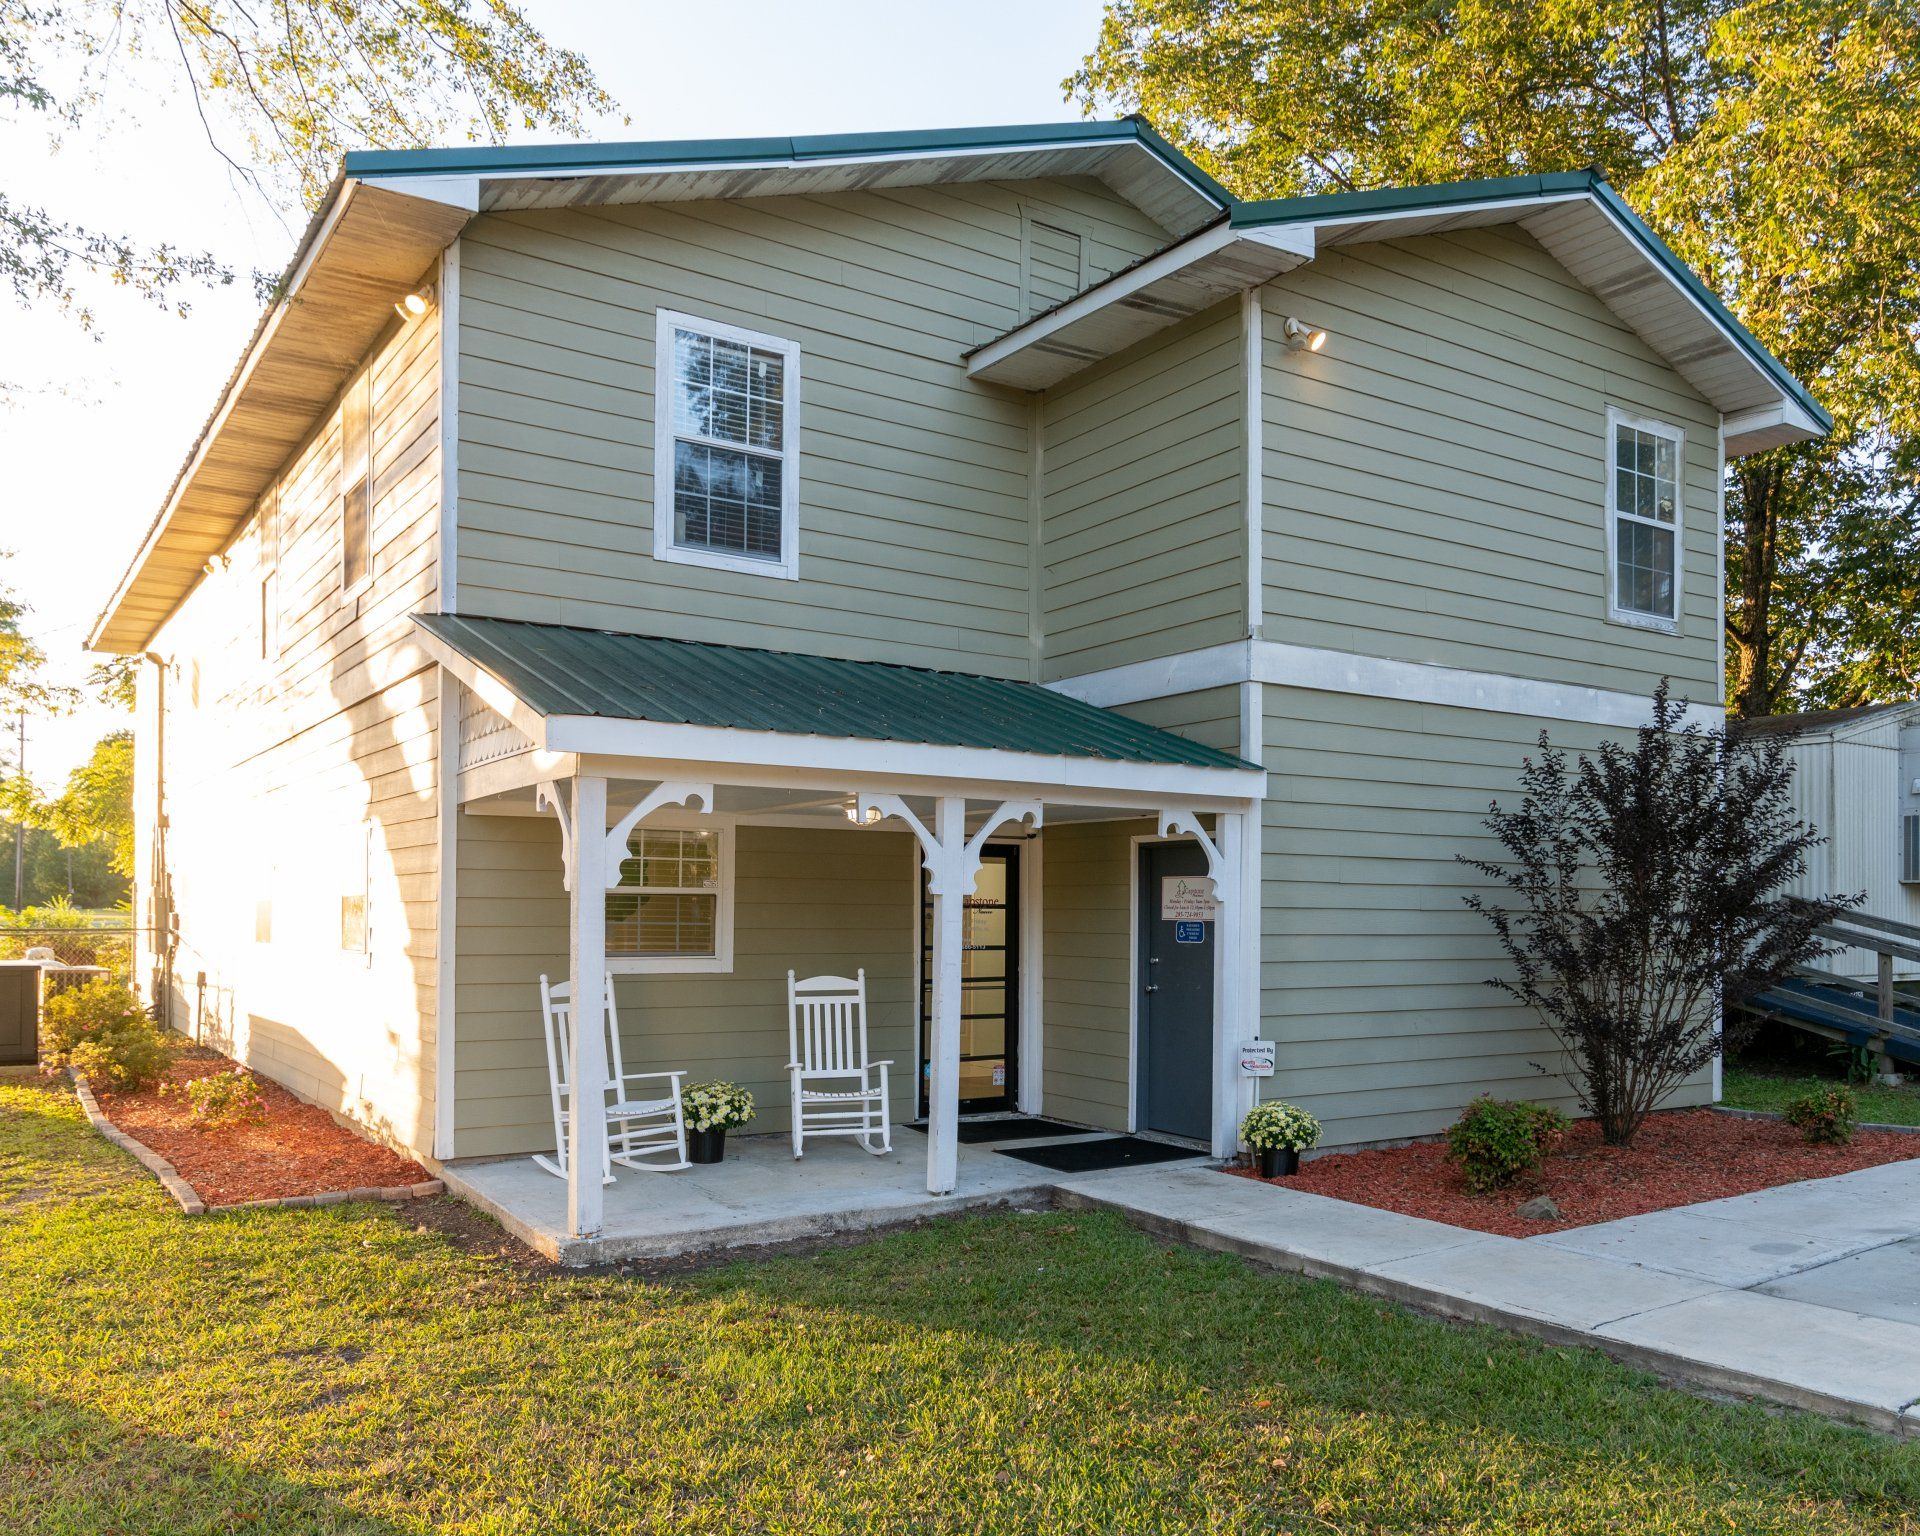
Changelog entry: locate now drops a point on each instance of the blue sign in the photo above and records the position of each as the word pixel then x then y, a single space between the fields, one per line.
pixel 1189 933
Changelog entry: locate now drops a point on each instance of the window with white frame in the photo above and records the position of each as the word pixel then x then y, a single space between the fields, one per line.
pixel 1910 849
pixel 1644 521
pixel 673 907
pixel 726 447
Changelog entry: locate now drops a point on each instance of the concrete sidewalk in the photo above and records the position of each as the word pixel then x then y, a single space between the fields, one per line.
pixel 1806 1295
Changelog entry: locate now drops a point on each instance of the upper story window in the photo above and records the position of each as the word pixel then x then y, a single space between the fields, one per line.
pixel 356 487
pixel 1644 520
pixel 726 447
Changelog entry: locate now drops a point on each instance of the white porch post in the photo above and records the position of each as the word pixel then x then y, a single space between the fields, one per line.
pixel 587 973
pixel 943 1046
pixel 953 864
pixel 1229 959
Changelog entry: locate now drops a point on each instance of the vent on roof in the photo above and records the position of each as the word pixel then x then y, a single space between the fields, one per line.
pixel 1053 265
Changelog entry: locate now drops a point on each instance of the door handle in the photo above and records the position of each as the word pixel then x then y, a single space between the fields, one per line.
pixel 1151 987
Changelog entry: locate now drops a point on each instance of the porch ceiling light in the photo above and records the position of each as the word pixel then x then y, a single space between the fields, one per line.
pixel 1299 335
pixel 852 810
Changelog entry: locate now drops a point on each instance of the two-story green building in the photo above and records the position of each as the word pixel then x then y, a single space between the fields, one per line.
pixel 997 561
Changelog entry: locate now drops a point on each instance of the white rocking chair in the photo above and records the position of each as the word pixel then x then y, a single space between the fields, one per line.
pixel 645 1124
pixel 827 1038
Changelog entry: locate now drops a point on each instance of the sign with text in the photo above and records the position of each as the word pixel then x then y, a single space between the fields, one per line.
pixel 1256 1058
pixel 1187 899
pixel 1189 933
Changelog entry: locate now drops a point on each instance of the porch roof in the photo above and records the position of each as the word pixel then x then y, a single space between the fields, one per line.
pixel 558 670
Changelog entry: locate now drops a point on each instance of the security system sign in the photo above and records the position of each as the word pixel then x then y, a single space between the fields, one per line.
pixel 1256 1058
pixel 1187 899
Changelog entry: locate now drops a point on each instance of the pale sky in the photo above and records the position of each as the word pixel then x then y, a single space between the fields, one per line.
pixel 91 441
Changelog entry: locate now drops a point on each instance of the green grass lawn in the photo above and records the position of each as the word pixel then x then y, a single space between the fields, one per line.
pixel 1759 1088
pixel 340 1371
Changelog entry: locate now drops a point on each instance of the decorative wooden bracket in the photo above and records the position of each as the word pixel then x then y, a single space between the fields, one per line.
pixel 547 797
pixel 1186 824
pixel 950 871
pixel 669 793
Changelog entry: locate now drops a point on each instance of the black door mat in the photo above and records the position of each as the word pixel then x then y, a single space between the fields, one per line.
pixel 1016 1128
pixel 1094 1156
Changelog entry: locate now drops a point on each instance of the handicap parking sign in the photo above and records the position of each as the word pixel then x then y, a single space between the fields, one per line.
pixel 1189 933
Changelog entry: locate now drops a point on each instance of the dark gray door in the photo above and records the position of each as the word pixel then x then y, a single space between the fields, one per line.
pixel 1175 1048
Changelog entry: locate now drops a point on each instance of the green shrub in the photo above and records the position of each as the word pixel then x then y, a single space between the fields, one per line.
pixel 224 1099
pixel 101 1030
pixel 1825 1116
pixel 1497 1140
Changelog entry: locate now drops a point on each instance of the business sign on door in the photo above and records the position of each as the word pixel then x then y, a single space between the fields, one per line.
pixel 1187 899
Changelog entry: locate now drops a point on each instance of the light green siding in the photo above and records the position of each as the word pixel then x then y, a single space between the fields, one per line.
pixel 915 504
pixel 813 901
pixel 1435 477
pixel 1373 972
pixel 1087 877
pixel 1142 533
pixel 1211 716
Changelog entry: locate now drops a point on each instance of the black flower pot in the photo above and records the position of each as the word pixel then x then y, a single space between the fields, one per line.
pixel 1279 1162
pixel 708 1146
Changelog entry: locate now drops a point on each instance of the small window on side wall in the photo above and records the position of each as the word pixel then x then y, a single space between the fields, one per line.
pixel 356 487
pixel 1645 521
pixel 726 447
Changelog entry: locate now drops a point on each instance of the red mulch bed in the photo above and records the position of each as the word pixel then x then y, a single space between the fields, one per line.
pixel 1677 1158
pixel 301 1150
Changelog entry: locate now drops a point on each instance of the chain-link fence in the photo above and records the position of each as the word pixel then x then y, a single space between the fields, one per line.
pixel 88 951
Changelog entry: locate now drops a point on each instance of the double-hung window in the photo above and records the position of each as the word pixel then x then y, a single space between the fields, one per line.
pixel 726 447
pixel 673 907
pixel 1644 521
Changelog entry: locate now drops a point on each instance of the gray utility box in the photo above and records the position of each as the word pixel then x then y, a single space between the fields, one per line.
pixel 19 1013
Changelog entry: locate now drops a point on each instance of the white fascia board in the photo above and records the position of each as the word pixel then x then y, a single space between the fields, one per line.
pixel 728 748
pixel 1518 207
pixel 1325 671
pixel 1769 427
pixel 1161 677
pixel 454 191
pixel 1296 240
pixel 1173 259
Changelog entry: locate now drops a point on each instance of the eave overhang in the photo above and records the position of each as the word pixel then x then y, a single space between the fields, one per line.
pixel 1577 217
pixel 365 249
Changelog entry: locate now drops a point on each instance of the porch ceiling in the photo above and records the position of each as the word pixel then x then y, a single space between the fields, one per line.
pixel 557 681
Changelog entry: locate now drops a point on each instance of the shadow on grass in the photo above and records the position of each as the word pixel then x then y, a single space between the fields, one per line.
pixel 66 1470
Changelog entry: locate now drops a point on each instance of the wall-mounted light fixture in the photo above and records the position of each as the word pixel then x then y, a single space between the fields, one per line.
pixel 1301 336
pixel 415 304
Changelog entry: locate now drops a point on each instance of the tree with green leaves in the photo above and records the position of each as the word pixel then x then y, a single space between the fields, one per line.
pixel 283 88
pixel 1774 145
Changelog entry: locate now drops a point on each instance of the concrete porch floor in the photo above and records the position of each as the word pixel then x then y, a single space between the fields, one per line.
pixel 760 1194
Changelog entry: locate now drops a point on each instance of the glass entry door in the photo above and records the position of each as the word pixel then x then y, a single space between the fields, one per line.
pixel 989 986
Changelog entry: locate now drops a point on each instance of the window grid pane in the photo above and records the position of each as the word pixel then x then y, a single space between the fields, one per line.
pixel 726 498
pixel 667 902
pixel 1645 497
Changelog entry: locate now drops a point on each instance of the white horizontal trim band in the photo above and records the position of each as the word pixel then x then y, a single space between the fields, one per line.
pixel 1305 666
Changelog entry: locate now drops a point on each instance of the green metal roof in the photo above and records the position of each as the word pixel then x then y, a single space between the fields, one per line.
pixel 558 670
pixel 1389 201
pixel 587 159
